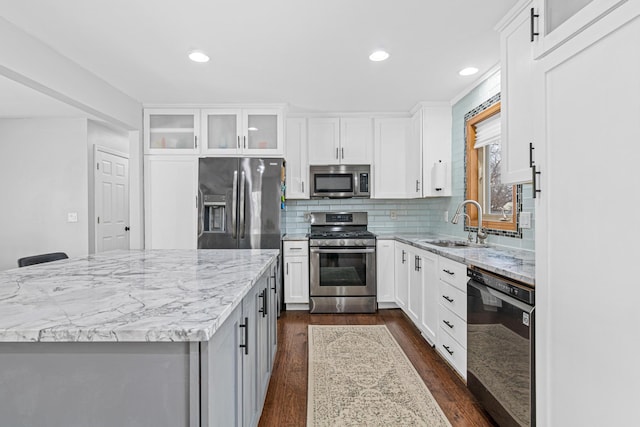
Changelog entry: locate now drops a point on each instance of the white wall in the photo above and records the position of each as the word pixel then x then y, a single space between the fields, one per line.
pixel 98 134
pixel 43 176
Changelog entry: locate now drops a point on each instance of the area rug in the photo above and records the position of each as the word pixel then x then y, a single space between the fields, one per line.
pixel 359 376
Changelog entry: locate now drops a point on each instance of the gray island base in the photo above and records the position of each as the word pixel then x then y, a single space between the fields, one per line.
pixel 139 338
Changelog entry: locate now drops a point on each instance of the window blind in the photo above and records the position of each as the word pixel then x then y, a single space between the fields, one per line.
pixel 488 132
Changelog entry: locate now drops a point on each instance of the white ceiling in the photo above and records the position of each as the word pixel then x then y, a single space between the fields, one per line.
pixel 312 54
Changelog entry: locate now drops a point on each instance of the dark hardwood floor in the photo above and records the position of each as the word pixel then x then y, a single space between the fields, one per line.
pixel 286 402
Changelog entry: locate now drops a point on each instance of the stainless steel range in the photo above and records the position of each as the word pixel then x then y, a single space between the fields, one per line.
pixel 342 263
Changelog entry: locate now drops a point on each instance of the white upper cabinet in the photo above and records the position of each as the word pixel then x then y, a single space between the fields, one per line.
pixel 517 94
pixel 554 22
pixel 413 158
pixel 296 156
pixel 171 131
pixel 254 132
pixel 390 142
pixel 334 141
pixel 436 149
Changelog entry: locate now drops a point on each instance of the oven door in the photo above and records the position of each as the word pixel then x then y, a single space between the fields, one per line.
pixel 342 271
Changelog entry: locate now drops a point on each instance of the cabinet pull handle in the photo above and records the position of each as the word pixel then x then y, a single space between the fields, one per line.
pixel 195 138
pixel 287 269
pixel 534 15
pixel 446 347
pixel 343 153
pixel 246 335
pixel 303 186
pixel 417 185
pixel 534 174
pixel 531 148
pixel 337 154
pixel 238 141
pixel 244 139
pixel 417 263
pixel 447 298
pixel 446 322
pixel 450 273
pixel 263 309
pixel 274 288
pixel 403 254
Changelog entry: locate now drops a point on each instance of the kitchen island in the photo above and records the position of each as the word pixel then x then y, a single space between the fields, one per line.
pixel 141 338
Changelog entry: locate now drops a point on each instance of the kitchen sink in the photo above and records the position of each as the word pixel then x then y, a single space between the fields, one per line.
pixel 455 244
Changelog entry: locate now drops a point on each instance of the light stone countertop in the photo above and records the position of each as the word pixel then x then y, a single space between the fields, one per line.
pixel 516 264
pixel 143 296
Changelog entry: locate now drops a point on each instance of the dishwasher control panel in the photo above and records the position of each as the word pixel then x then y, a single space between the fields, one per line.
pixel 517 290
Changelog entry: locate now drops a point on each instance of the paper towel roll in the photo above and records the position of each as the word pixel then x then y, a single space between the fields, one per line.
pixel 439 175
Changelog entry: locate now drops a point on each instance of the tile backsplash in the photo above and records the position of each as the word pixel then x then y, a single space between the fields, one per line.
pixel 422 215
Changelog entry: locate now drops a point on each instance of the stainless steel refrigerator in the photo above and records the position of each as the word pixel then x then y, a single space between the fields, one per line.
pixel 239 203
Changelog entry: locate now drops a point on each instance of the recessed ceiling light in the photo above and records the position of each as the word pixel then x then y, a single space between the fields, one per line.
pixel 198 56
pixel 469 71
pixel 379 55
pixel 253 129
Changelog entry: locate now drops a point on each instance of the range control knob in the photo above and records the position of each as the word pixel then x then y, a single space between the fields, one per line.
pixel 341 242
pixel 359 242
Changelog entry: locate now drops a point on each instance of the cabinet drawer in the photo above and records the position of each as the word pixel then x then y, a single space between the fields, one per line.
pixel 453 272
pixel 453 325
pixel 296 248
pixel 453 299
pixel 453 352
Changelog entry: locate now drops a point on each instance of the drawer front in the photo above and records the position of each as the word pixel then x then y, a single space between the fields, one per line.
pixel 453 352
pixel 453 272
pixel 453 325
pixel 453 299
pixel 296 248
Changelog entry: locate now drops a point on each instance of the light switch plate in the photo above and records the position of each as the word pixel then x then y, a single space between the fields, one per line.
pixel 446 216
pixel 72 217
pixel 525 219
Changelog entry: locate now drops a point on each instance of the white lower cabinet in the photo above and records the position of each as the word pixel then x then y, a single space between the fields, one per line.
pixel 452 314
pixel 296 274
pixel 236 362
pixel 429 319
pixel 401 273
pixel 385 271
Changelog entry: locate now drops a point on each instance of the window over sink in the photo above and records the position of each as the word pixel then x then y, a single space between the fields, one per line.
pixel 500 203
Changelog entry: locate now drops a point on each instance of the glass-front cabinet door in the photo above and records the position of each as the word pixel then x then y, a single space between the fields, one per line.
pixel 171 131
pixel 263 130
pixel 222 131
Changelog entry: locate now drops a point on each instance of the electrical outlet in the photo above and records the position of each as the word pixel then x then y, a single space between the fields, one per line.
pixel 307 217
pixel 525 219
pixel 446 216
pixel 72 217
pixel 393 215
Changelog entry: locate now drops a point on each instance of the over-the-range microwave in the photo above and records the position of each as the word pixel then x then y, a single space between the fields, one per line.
pixel 340 181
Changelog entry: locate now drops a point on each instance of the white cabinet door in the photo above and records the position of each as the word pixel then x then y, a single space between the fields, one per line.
pixel 296 272
pixel 429 271
pixel 262 132
pixel 402 265
pixel 221 367
pixel 579 185
pixel 171 131
pixel 391 138
pixel 414 300
pixel 297 168
pixel 356 141
pixel 436 150
pixel 222 131
pixel 171 209
pixel 413 158
pixel 250 414
pixel 263 368
pixel 557 21
pixel 324 141
pixel 385 271
pixel 517 97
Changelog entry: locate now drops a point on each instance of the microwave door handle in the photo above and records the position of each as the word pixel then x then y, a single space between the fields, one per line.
pixel 242 202
pixel 234 205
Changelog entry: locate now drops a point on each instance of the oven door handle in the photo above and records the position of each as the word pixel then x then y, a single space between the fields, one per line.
pixel 343 250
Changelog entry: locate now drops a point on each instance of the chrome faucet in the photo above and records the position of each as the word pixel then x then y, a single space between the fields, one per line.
pixel 481 236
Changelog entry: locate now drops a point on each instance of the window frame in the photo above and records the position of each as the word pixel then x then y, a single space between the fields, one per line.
pixel 471 184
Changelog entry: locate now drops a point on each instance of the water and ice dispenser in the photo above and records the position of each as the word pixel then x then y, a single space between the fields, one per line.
pixel 214 213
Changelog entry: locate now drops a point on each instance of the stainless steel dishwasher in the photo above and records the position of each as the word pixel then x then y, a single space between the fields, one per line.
pixel 501 347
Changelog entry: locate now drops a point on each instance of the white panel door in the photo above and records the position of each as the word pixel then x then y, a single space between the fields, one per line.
pixel 356 141
pixel 111 201
pixel 297 159
pixel 296 280
pixel 324 141
pixel 171 202
pixel 429 271
pixel 385 271
pixel 587 289
pixel 414 301
pixel 413 158
pixel 402 264
pixel 391 137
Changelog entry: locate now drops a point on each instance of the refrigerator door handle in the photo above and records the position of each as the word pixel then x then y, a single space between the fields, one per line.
pixel 200 200
pixel 234 206
pixel 242 180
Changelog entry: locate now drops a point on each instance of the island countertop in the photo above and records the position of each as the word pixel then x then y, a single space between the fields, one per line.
pixel 132 296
